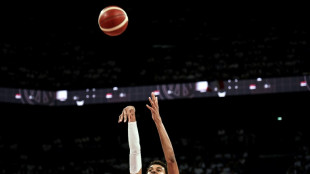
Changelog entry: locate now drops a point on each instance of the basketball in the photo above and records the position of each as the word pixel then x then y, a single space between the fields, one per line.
pixel 113 20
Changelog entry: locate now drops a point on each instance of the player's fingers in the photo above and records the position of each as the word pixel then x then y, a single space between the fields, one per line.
pixel 151 102
pixel 125 115
pixel 156 101
pixel 153 96
pixel 120 117
pixel 150 108
pixel 129 115
pixel 131 110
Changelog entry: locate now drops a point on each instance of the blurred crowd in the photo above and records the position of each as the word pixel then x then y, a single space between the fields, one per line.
pixel 220 152
pixel 188 49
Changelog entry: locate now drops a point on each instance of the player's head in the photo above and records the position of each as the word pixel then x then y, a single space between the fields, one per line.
pixel 157 167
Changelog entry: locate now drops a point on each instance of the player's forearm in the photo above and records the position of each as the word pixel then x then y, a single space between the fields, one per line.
pixel 135 162
pixel 133 137
pixel 166 143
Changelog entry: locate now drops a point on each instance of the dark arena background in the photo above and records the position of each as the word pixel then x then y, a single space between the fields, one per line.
pixel 232 82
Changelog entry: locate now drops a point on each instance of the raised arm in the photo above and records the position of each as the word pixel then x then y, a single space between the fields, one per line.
pixel 135 163
pixel 166 144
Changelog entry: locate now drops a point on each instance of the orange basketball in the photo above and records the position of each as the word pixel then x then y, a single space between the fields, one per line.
pixel 113 20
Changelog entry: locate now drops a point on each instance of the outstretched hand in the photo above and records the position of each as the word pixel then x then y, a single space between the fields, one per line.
pixel 154 108
pixel 128 113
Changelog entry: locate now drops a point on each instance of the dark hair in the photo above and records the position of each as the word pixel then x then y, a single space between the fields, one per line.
pixel 158 162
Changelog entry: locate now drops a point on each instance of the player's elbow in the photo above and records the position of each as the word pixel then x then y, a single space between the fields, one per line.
pixel 171 159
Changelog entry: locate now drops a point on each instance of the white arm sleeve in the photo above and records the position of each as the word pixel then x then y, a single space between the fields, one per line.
pixel 135 163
